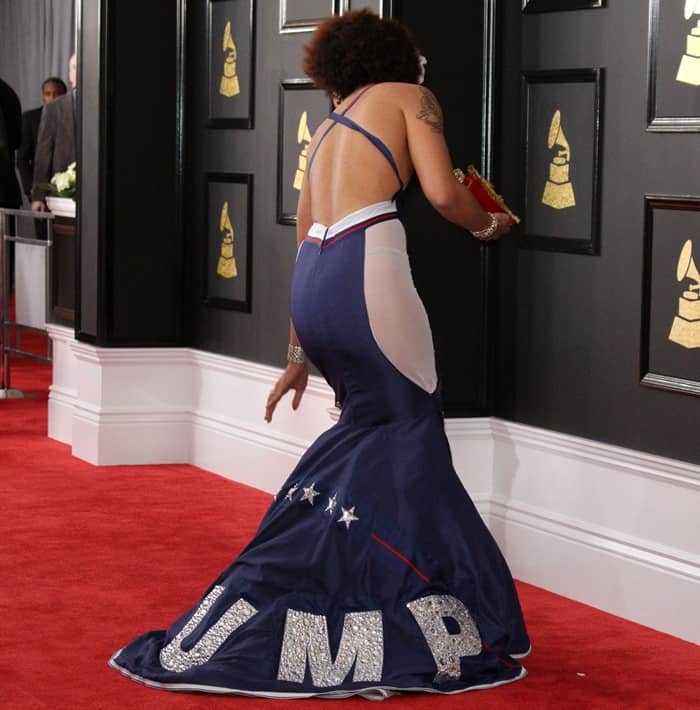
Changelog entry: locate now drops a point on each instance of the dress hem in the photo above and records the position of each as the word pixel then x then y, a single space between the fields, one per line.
pixel 379 692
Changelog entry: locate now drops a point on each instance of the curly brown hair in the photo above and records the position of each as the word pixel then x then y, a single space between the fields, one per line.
pixel 360 48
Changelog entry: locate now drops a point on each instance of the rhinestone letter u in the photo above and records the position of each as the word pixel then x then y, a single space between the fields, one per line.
pixel 173 658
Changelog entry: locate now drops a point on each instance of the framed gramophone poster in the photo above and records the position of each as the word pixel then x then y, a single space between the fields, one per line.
pixel 306 15
pixel 228 261
pixel 673 102
pixel 302 109
pixel 561 146
pixel 670 348
pixel 231 52
pixel 559 5
pixel 383 8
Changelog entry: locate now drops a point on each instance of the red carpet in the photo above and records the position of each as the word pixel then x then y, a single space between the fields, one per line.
pixel 93 556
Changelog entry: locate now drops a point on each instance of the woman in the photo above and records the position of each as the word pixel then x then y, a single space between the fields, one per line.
pixel 372 571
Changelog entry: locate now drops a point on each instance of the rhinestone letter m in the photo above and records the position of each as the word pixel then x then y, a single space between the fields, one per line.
pixel 306 636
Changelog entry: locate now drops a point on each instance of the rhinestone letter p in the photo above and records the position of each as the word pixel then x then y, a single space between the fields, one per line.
pixel 446 648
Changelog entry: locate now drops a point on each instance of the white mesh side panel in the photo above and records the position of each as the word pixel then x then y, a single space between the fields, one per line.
pixel 397 318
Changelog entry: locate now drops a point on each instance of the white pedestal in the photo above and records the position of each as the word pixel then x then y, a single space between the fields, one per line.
pixel 30 285
pixel 61 206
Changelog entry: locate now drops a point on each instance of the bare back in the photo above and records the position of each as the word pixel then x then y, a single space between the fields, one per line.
pixel 349 172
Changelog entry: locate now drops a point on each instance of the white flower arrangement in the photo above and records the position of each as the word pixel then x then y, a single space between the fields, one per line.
pixel 63 184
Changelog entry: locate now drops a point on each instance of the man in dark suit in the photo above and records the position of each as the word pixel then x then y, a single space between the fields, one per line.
pixel 51 89
pixel 10 137
pixel 55 146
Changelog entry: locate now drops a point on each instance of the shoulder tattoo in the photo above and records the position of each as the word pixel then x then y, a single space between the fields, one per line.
pixel 430 110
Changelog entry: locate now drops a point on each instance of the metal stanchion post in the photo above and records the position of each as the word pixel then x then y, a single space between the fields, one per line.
pixel 6 392
pixel 48 281
pixel 3 385
pixel 6 348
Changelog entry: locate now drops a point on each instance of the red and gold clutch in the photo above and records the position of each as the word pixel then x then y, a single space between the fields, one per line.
pixel 484 192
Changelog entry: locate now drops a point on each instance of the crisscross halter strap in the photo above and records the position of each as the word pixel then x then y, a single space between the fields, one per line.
pixel 374 140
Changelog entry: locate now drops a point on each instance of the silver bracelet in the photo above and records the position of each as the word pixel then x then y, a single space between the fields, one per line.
pixel 487 232
pixel 295 354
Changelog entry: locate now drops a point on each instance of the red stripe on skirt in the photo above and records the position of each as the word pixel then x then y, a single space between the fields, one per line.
pixel 403 558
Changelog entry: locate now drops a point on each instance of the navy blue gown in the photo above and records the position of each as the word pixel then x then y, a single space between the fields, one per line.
pixel 372 571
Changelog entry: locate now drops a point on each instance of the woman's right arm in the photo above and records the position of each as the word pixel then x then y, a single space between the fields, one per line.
pixel 431 160
pixel 296 374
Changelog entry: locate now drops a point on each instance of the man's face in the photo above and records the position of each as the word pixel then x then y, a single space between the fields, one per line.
pixel 73 71
pixel 52 91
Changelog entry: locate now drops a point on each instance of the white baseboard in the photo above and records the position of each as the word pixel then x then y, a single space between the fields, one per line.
pixel 610 527
pixel 176 405
pixel 607 526
pixel 603 570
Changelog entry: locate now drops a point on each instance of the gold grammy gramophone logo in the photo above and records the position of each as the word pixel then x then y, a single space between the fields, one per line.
pixel 685 329
pixel 229 81
pixel 689 69
pixel 303 138
pixel 226 267
pixel 558 190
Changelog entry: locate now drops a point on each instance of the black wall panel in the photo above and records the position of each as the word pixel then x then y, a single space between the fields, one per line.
pixel 143 227
pixel 570 325
pixel 451 269
pixel 131 253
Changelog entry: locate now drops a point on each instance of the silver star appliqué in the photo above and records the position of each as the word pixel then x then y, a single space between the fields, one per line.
pixel 348 517
pixel 292 491
pixel 330 508
pixel 309 494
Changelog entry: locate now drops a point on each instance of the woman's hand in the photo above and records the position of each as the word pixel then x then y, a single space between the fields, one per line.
pixel 503 225
pixel 294 378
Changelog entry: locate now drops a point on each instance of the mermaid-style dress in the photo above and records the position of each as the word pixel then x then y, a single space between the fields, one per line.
pixel 372 571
